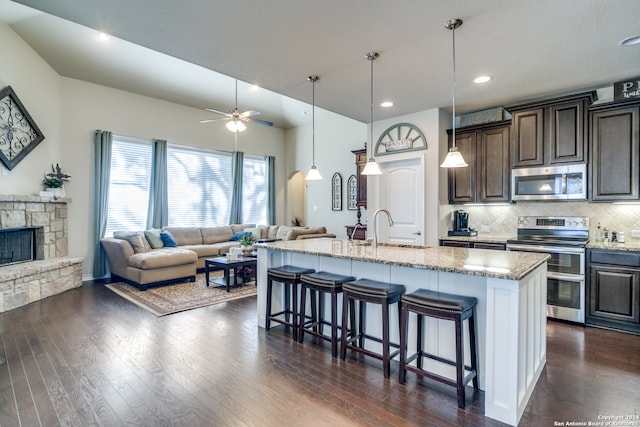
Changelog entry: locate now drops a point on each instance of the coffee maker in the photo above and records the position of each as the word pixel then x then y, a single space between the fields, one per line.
pixel 461 224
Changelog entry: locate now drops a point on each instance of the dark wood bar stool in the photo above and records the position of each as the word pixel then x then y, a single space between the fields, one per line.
pixel 440 305
pixel 289 276
pixel 322 283
pixel 369 291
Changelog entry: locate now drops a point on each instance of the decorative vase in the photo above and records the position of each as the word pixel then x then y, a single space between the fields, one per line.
pixel 247 250
pixel 57 192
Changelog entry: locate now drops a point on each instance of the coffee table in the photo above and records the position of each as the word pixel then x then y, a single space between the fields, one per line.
pixel 225 264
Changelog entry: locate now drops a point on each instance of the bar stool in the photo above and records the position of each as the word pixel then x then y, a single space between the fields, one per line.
pixel 440 305
pixel 289 276
pixel 364 291
pixel 322 283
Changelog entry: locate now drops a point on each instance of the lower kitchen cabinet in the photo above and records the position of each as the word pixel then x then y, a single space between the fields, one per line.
pixel 613 291
pixel 475 245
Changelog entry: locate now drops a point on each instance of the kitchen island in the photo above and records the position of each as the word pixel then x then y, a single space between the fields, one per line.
pixel 510 288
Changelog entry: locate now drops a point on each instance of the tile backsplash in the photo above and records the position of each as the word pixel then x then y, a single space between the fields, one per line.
pixel 503 219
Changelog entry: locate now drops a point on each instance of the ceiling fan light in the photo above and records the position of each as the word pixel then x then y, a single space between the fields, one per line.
pixel 313 174
pixel 236 126
pixel 454 159
pixel 371 168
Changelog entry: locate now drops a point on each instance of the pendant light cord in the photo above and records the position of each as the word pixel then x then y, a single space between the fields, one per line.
pixel 371 106
pixel 313 119
pixel 453 86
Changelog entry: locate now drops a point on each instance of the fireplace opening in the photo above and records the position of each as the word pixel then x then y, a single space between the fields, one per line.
pixel 19 244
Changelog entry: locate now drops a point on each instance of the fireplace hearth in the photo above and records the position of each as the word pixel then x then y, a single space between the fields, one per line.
pixel 19 244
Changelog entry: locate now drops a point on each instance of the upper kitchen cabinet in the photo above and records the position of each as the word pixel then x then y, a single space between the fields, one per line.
pixel 615 152
pixel 486 149
pixel 550 132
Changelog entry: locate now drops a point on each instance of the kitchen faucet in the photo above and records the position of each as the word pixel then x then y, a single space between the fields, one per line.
pixel 374 243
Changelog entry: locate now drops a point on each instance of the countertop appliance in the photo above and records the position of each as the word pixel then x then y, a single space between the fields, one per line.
pixel 565 239
pixel 461 224
pixel 564 182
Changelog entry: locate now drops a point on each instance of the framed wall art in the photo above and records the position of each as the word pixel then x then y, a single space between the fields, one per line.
pixel 336 192
pixel 352 193
pixel 19 134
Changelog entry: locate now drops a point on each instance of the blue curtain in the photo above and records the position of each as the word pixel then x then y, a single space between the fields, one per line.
pixel 235 216
pixel 103 141
pixel 271 190
pixel 158 212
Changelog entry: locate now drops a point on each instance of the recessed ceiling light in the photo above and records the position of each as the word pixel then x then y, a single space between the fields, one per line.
pixel 630 41
pixel 103 36
pixel 386 104
pixel 482 79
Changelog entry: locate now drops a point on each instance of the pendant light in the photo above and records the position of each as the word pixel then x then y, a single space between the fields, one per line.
pixel 454 159
pixel 371 168
pixel 314 173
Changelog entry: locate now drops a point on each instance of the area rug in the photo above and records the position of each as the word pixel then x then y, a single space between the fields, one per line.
pixel 163 300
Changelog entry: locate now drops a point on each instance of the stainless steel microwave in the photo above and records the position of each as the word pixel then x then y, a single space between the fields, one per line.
pixel 565 182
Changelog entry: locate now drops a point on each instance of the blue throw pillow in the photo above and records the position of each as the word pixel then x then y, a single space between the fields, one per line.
pixel 239 235
pixel 168 240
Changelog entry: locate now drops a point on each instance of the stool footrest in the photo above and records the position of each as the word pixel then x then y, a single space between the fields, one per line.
pixel 436 358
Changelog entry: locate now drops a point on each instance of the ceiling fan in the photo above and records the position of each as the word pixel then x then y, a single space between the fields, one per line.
pixel 235 118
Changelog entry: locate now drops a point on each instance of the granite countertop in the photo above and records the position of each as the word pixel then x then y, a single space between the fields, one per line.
pixel 478 262
pixel 481 237
pixel 633 246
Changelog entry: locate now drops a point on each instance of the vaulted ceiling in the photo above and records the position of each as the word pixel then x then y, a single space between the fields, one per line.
pixel 190 51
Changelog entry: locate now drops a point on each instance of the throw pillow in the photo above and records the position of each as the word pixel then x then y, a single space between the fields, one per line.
pixel 239 235
pixel 153 236
pixel 257 233
pixel 168 240
pixel 137 242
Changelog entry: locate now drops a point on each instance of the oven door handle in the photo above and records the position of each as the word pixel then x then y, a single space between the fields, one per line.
pixel 540 248
pixel 565 277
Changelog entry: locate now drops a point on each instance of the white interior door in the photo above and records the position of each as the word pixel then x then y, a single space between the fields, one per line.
pixel 402 193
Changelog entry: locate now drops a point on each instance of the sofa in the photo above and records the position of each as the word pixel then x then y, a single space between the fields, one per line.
pixel 156 257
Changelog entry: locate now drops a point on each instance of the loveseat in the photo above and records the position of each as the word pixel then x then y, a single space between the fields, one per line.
pixel 156 257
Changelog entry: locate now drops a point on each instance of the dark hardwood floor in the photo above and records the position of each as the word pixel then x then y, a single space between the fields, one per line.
pixel 89 357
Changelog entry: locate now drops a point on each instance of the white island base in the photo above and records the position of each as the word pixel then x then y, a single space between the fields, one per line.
pixel 511 318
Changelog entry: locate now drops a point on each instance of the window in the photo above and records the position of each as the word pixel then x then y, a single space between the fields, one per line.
pixel 128 184
pixel 199 187
pixel 254 190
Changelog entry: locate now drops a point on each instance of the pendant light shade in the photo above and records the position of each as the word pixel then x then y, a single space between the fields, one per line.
pixel 454 158
pixel 314 173
pixel 371 168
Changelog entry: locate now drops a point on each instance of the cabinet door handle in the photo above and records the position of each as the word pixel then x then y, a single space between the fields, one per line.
pixel 418 233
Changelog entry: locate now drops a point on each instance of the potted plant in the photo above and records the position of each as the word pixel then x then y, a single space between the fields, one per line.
pixel 246 242
pixel 54 181
pixel 54 185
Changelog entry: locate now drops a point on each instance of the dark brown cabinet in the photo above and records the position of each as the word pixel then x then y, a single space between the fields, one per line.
pixel 615 152
pixel 486 149
pixel 475 245
pixel 361 161
pixel 552 131
pixel 613 292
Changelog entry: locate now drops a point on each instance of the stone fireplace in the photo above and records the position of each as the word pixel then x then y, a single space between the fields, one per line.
pixel 34 261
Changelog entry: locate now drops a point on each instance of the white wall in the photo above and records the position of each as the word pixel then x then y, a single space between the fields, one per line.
pixel 37 85
pixel 335 137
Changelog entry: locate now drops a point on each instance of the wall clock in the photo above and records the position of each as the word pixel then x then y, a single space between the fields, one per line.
pixel 19 134
pixel 400 137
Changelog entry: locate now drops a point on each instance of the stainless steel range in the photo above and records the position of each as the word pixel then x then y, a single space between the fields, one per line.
pixel 565 239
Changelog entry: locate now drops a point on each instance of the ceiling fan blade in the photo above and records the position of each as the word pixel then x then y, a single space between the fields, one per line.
pixel 218 112
pixel 250 113
pixel 260 122
pixel 213 120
